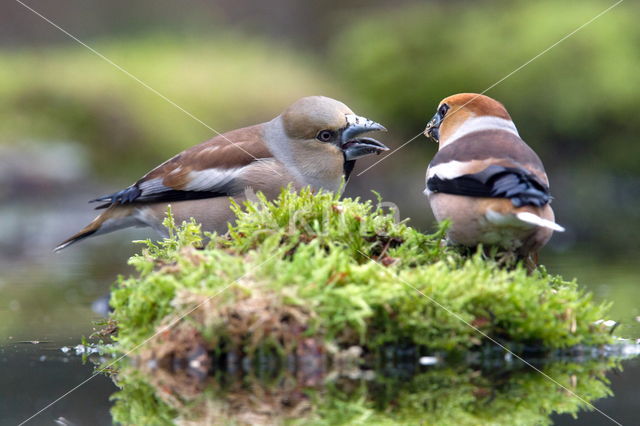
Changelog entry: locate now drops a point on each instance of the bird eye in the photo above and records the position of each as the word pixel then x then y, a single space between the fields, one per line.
pixel 325 135
pixel 443 110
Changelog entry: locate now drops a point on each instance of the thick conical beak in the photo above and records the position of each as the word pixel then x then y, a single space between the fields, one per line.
pixel 432 130
pixel 354 146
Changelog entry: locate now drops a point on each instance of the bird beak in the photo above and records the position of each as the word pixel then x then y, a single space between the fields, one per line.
pixel 354 146
pixel 432 130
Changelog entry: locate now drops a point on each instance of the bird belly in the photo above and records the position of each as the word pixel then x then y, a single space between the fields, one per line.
pixel 489 221
pixel 214 214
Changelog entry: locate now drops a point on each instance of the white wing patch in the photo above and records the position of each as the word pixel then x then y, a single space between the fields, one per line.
pixel 478 124
pixel 210 179
pixel 449 170
pixel 152 186
pixel 201 180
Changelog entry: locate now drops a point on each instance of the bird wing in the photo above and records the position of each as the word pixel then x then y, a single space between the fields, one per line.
pixel 520 186
pixel 491 163
pixel 210 169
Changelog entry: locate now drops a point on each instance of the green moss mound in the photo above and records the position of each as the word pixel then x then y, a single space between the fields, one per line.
pixel 341 272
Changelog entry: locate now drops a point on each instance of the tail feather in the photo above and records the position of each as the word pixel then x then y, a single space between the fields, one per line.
pixel 538 221
pixel 114 218
pixel 86 232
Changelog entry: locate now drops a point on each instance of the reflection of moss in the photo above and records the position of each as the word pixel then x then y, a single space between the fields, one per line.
pixel 448 395
pixel 143 405
pixel 299 268
pixel 469 396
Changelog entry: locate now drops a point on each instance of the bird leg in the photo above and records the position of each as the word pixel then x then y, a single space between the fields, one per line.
pixel 507 259
pixel 531 262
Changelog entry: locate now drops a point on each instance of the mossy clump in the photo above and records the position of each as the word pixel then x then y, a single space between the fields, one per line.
pixel 313 266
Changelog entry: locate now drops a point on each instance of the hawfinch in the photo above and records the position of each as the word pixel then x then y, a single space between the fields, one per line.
pixel 486 180
pixel 314 142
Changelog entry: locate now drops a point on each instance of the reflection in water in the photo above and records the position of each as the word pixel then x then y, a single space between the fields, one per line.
pixel 468 391
pixel 490 389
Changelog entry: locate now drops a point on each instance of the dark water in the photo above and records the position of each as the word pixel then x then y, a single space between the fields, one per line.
pixel 35 375
pixel 48 298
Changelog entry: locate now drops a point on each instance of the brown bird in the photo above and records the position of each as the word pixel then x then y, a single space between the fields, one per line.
pixel 486 180
pixel 314 142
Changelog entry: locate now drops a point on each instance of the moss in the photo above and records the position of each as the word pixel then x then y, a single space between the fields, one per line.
pixel 344 273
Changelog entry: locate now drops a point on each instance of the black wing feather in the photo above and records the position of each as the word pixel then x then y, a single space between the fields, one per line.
pixel 127 195
pixel 520 186
pixel 133 193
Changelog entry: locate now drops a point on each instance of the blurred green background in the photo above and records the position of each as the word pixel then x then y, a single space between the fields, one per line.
pixel 237 63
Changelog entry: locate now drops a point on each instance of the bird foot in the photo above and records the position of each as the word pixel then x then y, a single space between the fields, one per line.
pixel 507 259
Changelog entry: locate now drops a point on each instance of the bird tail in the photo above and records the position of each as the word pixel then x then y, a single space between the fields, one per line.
pixel 87 231
pixel 538 221
pixel 112 219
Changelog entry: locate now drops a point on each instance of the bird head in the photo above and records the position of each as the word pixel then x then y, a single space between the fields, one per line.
pixel 456 111
pixel 321 124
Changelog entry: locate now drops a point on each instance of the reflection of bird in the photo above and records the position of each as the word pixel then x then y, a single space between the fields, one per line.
pixel 314 142
pixel 486 180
